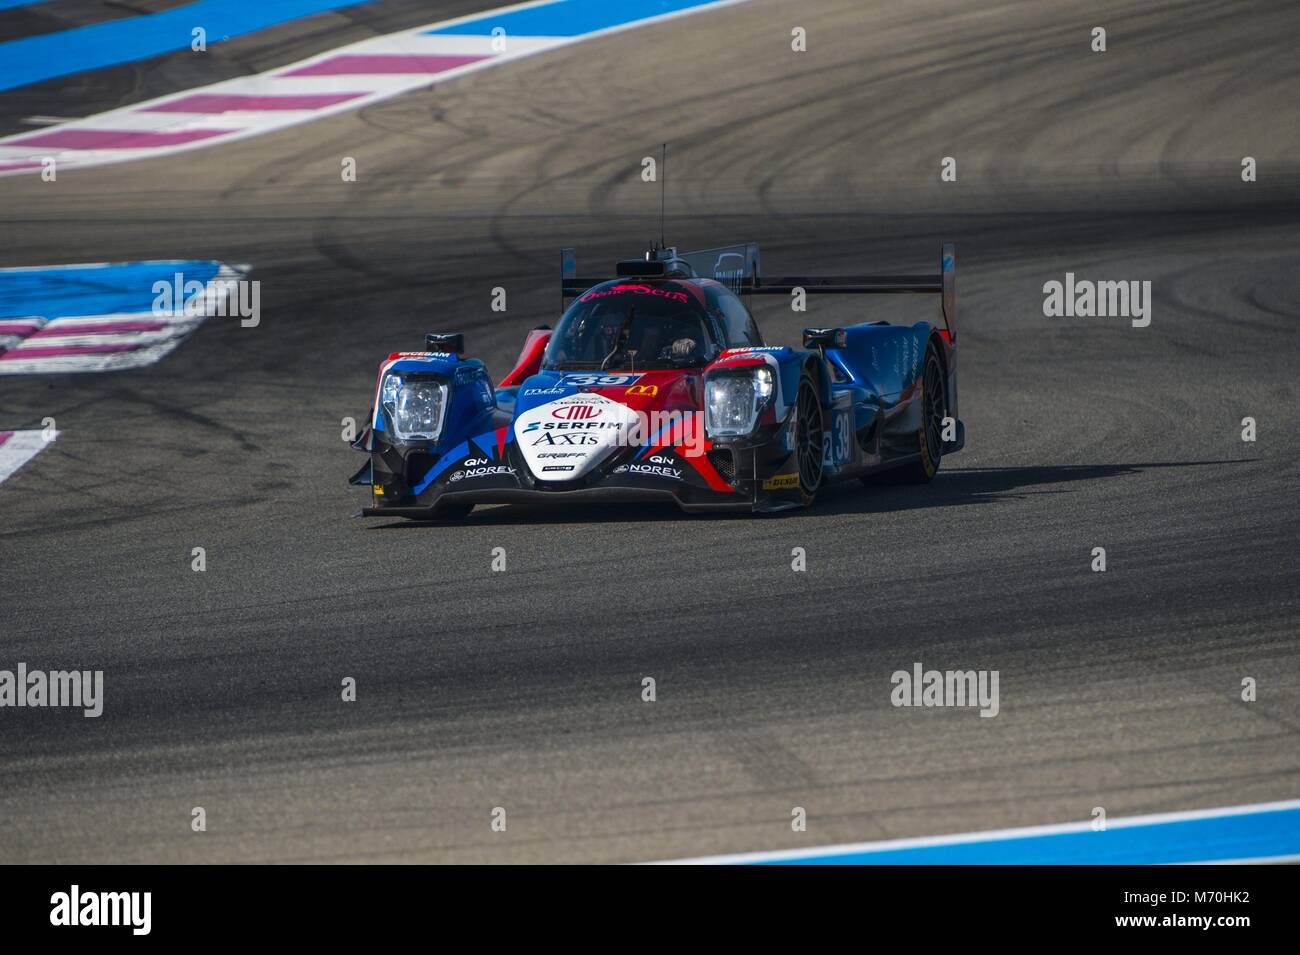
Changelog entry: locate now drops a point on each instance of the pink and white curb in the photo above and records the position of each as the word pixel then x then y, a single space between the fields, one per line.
pixel 91 343
pixel 346 78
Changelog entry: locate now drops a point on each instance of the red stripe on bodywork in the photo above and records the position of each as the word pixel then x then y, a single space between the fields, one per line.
pixel 707 471
pixel 530 358
pixel 669 440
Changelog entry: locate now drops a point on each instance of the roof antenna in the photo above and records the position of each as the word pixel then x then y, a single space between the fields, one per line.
pixel 663 188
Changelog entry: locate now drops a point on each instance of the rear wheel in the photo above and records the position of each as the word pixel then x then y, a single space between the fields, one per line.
pixel 929 437
pixel 809 428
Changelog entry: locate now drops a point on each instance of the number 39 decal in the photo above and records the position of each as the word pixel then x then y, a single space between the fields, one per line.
pixel 837 444
pixel 599 381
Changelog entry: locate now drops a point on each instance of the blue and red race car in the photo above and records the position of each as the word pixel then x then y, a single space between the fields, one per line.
pixel 657 385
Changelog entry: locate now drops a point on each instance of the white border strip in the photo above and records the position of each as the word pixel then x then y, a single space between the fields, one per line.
pixel 20 448
pixel 993 835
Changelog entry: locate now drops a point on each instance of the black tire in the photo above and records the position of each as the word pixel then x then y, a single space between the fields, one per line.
pixel 809 428
pixel 929 437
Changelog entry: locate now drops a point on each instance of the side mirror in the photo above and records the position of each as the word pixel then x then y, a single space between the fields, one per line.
pixel 824 338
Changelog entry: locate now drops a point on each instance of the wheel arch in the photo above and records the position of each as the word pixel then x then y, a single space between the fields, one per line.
pixel 936 342
pixel 816 367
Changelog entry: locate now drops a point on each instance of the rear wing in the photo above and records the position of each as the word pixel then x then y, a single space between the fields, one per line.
pixel 943 282
pixel 732 265
pixel 737 267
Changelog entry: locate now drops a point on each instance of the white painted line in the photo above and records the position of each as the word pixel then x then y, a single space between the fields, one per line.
pixel 19 447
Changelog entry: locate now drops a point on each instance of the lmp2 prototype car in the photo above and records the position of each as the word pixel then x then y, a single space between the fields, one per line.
pixel 656 385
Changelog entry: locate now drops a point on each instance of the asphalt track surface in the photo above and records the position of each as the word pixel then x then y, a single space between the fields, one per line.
pixel 522 689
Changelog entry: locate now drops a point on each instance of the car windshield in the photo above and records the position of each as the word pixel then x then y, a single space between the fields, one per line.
pixel 633 325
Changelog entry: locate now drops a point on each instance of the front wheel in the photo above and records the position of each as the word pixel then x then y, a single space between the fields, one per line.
pixel 809 428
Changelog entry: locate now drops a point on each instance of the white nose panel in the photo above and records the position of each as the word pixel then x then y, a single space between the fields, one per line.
pixel 564 439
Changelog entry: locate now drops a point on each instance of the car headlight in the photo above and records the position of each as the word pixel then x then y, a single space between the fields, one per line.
pixel 732 402
pixel 415 406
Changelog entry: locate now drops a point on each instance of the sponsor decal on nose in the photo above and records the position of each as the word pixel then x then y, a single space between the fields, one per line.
pixel 576 412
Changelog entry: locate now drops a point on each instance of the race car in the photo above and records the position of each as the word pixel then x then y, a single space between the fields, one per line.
pixel 656 385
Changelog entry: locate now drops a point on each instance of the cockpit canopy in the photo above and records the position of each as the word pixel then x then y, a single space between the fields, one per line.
pixel 630 324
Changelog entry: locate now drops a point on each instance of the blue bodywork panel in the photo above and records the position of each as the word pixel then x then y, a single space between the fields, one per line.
pixel 885 360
